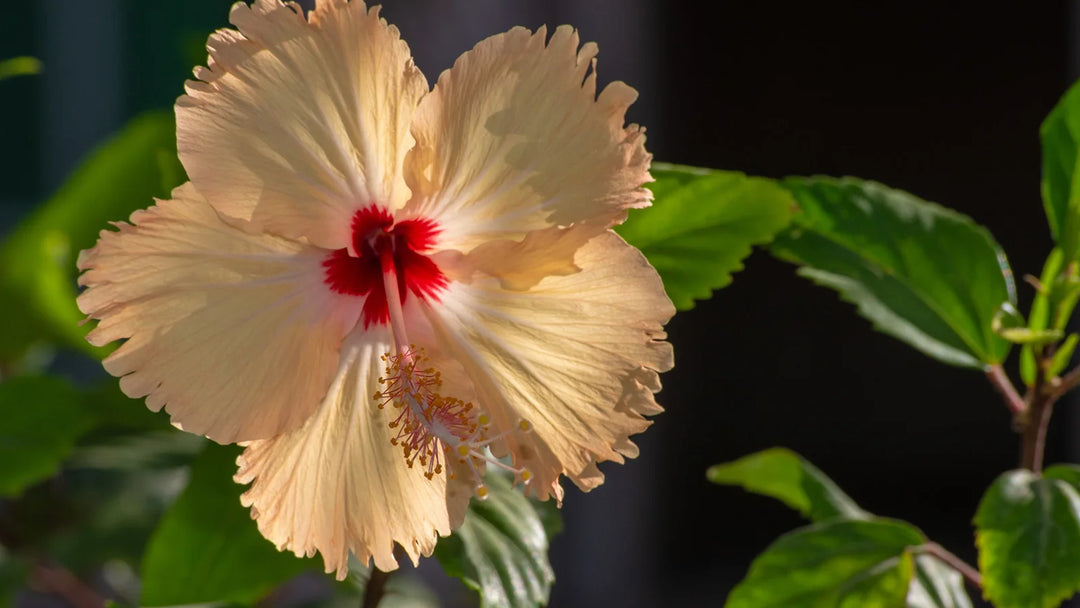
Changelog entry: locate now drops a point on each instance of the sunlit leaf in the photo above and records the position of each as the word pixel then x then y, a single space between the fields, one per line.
pixel 919 272
pixel 501 549
pixel 836 563
pixel 41 417
pixel 1028 534
pixel 1060 135
pixel 936 585
pixel 37 260
pixel 207 548
pixel 786 476
pixel 702 225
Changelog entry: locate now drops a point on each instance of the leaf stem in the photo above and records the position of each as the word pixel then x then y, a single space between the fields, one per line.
pixel 965 569
pixel 1000 380
pixel 61 582
pixel 375 588
pixel 1066 383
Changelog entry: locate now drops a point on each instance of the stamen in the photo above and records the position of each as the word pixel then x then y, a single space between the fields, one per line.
pixel 431 427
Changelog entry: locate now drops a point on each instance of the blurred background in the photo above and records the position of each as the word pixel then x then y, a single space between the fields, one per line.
pixel 940 99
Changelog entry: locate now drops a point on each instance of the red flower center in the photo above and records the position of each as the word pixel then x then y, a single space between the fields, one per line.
pixel 378 241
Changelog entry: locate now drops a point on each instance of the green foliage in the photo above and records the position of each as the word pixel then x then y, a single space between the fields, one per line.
pixel 1060 134
pixel 784 475
pixel 501 549
pixel 207 548
pixel 42 418
pixel 787 477
pixel 919 272
pixel 1028 534
pixel 702 225
pixel 936 585
pixel 19 66
pixel 37 261
pixel 833 564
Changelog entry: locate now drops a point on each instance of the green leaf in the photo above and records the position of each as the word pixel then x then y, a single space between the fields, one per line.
pixel 207 548
pixel 833 564
pixel 19 66
pixel 918 271
pixel 42 417
pixel 501 549
pixel 1009 324
pixel 1039 316
pixel 701 226
pixel 1060 135
pixel 1063 355
pixel 784 475
pixel 936 585
pixel 1028 534
pixel 37 261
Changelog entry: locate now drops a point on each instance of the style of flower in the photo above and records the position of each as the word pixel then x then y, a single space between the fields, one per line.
pixel 380 289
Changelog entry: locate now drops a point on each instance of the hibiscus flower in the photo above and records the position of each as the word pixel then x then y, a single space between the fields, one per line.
pixel 370 284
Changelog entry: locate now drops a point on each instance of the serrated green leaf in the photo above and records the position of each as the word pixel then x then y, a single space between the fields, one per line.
pixel 1060 135
pixel 207 548
pixel 833 564
pixel 918 271
pixel 501 549
pixel 784 475
pixel 936 585
pixel 42 417
pixel 1028 534
pixel 37 261
pixel 701 226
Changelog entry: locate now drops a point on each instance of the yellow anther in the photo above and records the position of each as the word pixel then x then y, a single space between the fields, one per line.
pixel 483 420
pixel 525 425
pixel 526 475
pixel 463 449
pixel 481 491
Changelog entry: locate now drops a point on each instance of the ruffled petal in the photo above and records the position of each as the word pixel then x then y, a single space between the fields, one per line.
pixel 513 138
pixel 234 334
pixel 295 125
pixel 337 485
pixel 577 356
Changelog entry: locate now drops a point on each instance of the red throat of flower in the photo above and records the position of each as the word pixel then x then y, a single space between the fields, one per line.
pixel 381 247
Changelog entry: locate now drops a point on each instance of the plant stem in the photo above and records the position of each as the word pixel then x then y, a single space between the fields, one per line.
pixel 61 582
pixel 965 569
pixel 375 588
pixel 1005 387
pixel 1033 433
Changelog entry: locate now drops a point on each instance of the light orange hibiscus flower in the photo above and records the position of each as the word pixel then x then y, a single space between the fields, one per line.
pixel 370 284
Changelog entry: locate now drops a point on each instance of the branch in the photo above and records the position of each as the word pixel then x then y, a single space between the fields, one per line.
pixel 1066 383
pixel 60 581
pixel 1005 387
pixel 965 569
pixel 375 588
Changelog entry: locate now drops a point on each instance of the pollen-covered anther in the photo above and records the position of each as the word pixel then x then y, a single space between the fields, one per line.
pixel 430 425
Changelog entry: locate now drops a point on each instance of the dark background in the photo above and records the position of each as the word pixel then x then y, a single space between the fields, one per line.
pixel 943 100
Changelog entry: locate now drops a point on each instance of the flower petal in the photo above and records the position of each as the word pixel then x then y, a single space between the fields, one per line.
pixel 337 485
pixel 295 125
pixel 577 356
pixel 513 139
pixel 234 334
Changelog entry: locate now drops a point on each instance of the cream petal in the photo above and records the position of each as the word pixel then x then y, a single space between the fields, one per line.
pixel 513 138
pixel 577 356
pixel 295 125
pixel 337 485
pixel 234 334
